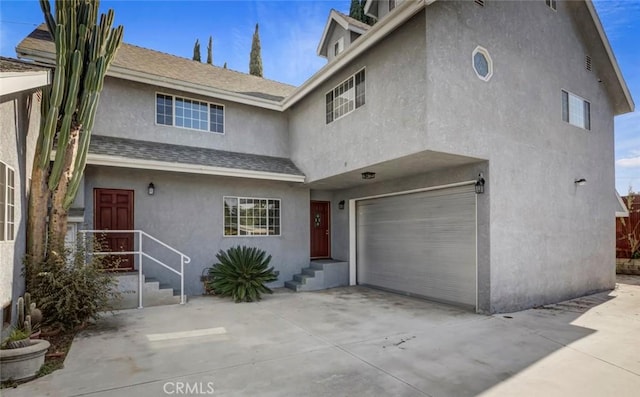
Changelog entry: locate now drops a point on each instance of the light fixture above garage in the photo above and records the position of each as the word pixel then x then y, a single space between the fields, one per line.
pixel 151 189
pixel 368 175
pixel 480 184
pixel 341 205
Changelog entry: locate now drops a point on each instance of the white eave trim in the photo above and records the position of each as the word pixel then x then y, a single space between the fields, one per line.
pixel 116 161
pixel 12 82
pixel 612 58
pixel 402 12
pixel 165 82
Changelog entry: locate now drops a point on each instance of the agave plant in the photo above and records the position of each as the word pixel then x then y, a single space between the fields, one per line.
pixel 242 273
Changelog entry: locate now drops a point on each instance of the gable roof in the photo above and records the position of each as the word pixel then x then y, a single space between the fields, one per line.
pixel 130 153
pixel 346 22
pixel 19 76
pixel 165 70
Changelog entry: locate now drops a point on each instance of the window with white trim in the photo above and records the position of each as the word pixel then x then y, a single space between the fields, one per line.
pixel 189 113
pixel 338 46
pixel 347 96
pixel 247 216
pixel 575 110
pixel 7 203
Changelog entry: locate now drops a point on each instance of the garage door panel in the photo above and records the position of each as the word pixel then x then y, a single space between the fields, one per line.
pixel 420 243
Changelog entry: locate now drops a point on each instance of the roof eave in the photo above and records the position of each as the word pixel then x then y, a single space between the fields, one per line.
pixel 146 78
pixel 612 59
pixel 127 162
pixel 13 82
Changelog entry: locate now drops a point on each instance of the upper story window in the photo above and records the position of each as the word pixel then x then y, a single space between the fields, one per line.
pixel 7 203
pixel 392 4
pixel 482 63
pixel 551 4
pixel 338 46
pixel 245 216
pixel 189 113
pixel 576 111
pixel 347 96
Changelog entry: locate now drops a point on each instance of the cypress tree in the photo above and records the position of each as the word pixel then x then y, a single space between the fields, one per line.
pixel 356 11
pixel 255 59
pixel 225 65
pixel 196 51
pixel 210 51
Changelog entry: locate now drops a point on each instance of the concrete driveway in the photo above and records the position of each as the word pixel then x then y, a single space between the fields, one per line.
pixel 356 342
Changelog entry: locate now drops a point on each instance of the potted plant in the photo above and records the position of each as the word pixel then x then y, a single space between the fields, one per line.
pixel 20 356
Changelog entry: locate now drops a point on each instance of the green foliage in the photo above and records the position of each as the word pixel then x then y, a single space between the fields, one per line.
pixel 17 338
pixel 356 11
pixel 196 51
pixel 210 51
pixel 255 59
pixel 242 273
pixel 85 47
pixel 29 316
pixel 225 65
pixel 72 286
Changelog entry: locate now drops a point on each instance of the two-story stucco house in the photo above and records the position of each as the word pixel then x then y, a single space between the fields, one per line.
pixel 442 152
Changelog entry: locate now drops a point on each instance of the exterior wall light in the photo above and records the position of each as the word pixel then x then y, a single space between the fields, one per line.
pixel 151 189
pixel 580 182
pixel 341 205
pixel 368 175
pixel 480 184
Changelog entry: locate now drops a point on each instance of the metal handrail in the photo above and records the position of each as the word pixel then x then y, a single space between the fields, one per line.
pixel 183 258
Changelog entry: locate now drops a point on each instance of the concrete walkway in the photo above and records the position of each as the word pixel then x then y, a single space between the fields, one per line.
pixel 356 342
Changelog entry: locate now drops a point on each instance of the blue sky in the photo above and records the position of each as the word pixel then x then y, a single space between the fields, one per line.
pixel 289 33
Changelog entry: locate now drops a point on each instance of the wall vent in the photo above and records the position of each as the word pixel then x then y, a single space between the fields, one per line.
pixel 479 2
pixel 587 62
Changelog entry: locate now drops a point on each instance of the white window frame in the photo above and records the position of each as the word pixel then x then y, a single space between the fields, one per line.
pixel 224 198
pixel 340 46
pixel 586 120
pixel 553 4
pixel 7 208
pixel 353 78
pixel 173 114
pixel 485 52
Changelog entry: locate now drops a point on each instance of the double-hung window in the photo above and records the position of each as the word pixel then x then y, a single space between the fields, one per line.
pixel 247 216
pixel 347 96
pixel 575 110
pixel 189 113
pixel 7 203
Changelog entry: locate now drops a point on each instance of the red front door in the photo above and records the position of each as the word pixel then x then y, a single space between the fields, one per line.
pixel 320 234
pixel 113 210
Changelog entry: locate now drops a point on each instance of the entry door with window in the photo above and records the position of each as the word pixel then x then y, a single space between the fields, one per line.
pixel 320 234
pixel 113 210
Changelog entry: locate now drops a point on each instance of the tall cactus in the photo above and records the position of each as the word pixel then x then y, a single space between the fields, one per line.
pixel 85 47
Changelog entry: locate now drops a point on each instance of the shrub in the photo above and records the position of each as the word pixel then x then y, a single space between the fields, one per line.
pixel 242 273
pixel 72 287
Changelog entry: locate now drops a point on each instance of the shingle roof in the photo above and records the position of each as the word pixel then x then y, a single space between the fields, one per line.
pixel 157 63
pixel 353 21
pixel 144 150
pixel 16 65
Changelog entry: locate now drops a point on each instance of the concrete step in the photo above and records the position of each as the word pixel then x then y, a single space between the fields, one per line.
pixel 302 278
pixel 310 272
pixel 153 292
pixel 292 285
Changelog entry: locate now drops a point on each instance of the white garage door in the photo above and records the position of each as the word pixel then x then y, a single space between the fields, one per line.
pixel 420 243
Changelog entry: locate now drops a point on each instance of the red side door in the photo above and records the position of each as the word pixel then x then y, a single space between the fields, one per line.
pixel 320 233
pixel 113 210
